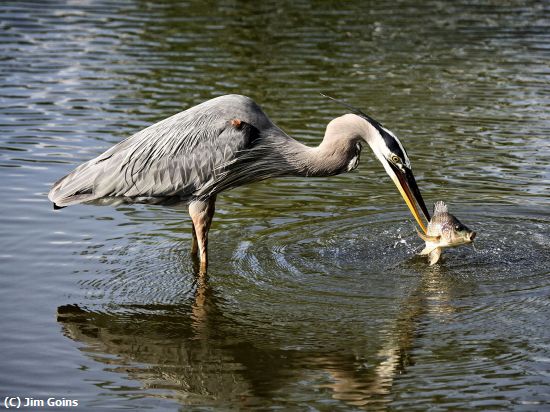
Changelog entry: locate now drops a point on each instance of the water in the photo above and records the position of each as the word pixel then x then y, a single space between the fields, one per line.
pixel 315 299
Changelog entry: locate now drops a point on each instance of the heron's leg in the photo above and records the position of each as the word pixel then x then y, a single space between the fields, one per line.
pixel 202 212
pixel 194 243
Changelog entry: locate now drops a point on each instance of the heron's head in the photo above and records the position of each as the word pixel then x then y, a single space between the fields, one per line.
pixel 389 151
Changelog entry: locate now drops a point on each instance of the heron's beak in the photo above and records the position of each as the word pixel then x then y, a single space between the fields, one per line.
pixel 406 183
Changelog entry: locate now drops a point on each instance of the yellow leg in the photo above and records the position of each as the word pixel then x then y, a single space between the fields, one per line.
pixel 202 212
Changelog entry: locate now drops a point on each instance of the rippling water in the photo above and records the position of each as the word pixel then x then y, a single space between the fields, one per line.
pixel 315 298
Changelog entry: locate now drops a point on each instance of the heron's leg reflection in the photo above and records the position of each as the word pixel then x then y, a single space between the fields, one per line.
pixel 202 212
pixel 200 307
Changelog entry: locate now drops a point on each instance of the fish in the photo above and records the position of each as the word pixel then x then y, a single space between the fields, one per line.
pixel 444 231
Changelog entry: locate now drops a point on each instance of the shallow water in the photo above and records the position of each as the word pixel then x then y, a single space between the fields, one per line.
pixel 315 298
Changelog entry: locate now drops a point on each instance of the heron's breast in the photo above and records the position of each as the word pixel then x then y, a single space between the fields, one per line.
pixel 354 161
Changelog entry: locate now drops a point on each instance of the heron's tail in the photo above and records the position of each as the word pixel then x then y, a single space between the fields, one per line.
pixel 76 187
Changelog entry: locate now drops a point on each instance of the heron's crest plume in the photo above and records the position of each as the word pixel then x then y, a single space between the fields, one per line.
pixel 355 110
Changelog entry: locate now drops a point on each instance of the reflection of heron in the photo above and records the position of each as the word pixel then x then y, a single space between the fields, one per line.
pixel 223 143
pixel 198 352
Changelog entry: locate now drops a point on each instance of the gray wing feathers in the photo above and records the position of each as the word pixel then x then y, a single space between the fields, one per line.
pixel 266 156
pixel 178 156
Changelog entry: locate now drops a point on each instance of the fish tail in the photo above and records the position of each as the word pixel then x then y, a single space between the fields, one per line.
pixel 435 255
pixel 427 250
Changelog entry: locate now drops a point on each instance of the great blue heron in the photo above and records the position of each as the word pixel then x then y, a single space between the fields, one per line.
pixel 220 144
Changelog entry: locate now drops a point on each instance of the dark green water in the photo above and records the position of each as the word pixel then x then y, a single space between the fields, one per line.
pixel 315 299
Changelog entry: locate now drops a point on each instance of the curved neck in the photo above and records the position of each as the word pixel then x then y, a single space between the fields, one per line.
pixel 339 150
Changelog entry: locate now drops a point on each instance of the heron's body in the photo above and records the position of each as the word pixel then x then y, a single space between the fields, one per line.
pixel 222 143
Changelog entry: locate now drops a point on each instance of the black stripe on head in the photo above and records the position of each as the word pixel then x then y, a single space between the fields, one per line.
pixel 393 144
pixel 391 141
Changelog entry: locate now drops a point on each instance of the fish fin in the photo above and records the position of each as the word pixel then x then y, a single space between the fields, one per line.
pixel 427 238
pixel 435 255
pixel 427 250
pixel 440 207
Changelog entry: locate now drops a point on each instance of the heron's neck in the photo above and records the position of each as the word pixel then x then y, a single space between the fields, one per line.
pixel 339 150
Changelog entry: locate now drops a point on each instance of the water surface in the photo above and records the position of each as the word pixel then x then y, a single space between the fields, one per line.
pixel 315 298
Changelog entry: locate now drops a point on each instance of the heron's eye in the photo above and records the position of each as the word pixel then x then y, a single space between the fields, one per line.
pixel 395 159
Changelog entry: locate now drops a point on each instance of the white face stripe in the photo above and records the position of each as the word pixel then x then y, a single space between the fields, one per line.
pixel 406 159
pixel 389 132
pixel 382 141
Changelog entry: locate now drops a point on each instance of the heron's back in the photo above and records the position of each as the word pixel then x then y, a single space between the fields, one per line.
pixel 191 154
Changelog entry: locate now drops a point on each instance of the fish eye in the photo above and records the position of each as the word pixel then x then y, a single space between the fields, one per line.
pixel 457 227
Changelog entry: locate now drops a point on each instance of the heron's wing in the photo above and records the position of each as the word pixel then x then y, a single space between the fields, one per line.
pixel 175 157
